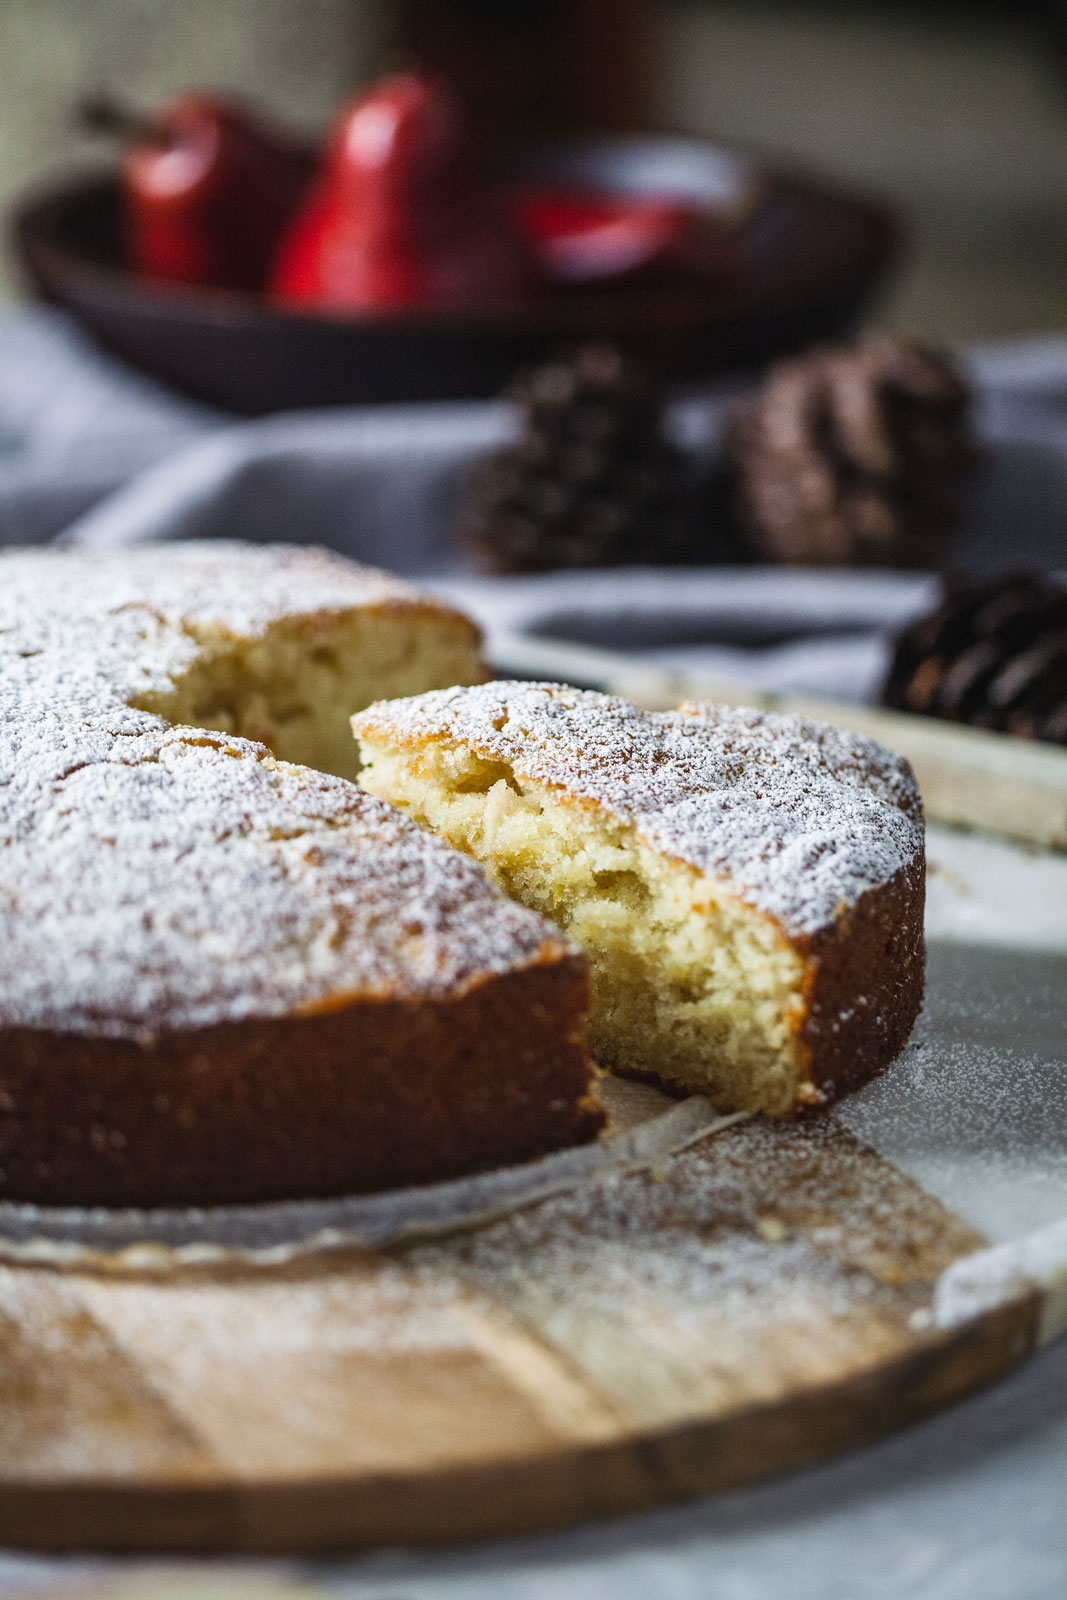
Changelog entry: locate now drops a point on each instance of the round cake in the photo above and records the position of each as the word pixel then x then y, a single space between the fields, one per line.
pixel 749 888
pixel 227 977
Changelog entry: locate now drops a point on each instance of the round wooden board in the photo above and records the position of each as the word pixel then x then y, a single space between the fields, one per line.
pixel 760 1303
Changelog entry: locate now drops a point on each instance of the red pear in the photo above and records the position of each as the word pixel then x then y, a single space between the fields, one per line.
pixel 400 217
pixel 207 190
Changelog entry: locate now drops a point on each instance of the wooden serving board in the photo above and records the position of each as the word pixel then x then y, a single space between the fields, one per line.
pixel 763 1301
pixel 770 1296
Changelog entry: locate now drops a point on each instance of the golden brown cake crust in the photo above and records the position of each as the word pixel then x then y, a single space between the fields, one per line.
pixel 226 977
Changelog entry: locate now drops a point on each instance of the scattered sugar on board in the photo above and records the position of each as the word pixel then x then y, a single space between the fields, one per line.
pixel 797 817
pixel 680 1267
pixel 973 1106
pixel 849 1229
pixel 185 1333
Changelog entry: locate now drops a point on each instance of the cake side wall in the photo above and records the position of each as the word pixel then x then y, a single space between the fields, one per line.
pixel 865 984
pixel 369 1096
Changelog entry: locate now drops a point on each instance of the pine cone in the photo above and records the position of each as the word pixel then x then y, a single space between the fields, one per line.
pixel 853 457
pixel 591 481
pixel 993 654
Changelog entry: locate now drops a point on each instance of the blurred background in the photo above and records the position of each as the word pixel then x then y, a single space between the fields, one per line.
pixel 957 112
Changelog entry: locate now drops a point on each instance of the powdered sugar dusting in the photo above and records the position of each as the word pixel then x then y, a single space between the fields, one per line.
pixel 154 876
pixel 799 818
pixel 688 1273
pixel 216 583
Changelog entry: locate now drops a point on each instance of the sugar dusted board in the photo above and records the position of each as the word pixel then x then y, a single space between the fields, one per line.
pixel 762 1301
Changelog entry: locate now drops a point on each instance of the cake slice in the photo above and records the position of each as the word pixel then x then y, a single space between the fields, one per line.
pixel 749 888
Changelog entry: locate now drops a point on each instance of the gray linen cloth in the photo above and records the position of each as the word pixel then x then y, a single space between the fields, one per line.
pixel 75 424
pixel 93 452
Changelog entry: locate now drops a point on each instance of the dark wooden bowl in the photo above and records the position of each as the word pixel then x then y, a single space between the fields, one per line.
pixel 810 257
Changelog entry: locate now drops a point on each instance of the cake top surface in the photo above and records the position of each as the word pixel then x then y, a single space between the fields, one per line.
pixel 158 877
pixel 126 622
pixel 797 817
pixel 208 582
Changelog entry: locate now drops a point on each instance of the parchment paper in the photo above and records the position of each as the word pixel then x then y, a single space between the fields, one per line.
pixel 645 1128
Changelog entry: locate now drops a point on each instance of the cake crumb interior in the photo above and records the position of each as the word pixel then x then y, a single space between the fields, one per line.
pixel 690 985
pixel 295 686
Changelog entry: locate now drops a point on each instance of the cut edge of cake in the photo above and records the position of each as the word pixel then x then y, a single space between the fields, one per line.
pixel 289 682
